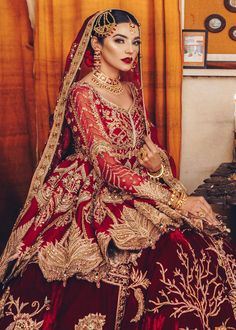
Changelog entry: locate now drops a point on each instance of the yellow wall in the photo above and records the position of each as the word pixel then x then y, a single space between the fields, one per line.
pixel 195 13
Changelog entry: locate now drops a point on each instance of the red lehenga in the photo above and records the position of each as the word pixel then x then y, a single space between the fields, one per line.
pixel 97 245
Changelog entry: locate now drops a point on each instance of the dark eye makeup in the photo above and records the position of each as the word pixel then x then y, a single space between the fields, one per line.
pixel 122 41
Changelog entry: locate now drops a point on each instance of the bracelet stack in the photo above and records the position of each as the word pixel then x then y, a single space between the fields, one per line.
pixel 157 174
pixel 177 199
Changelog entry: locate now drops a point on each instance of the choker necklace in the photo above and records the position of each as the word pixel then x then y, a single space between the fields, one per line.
pixel 113 86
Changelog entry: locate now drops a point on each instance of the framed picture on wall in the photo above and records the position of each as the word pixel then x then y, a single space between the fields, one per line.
pixel 230 5
pixel 194 48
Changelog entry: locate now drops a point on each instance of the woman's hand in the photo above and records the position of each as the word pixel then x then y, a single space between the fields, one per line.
pixel 148 156
pixel 199 209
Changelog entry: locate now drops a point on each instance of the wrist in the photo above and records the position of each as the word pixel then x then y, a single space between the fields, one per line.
pixel 157 174
pixel 177 199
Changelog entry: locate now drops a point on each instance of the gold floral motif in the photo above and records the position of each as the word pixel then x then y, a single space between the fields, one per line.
pixel 73 254
pixel 139 280
pixel 154 191
pixel 228 263
pixel 161 215
pixel 91 322
pixel 224 326
pixel 119 276
pixel 22 320
pixel 3 300
pixel 64 219
pixel 136 232
pixel 196 280
pixel 13 245
pixel 167 176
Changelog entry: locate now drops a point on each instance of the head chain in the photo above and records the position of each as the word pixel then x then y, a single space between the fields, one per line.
pixel 105 24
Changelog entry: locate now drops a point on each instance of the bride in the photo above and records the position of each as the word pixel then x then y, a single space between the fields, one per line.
pixel 108 238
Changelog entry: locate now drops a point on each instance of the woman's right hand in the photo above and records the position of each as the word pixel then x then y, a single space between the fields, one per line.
pixel 198 208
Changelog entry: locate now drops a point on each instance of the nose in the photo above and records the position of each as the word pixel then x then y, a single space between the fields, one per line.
pixel 129 49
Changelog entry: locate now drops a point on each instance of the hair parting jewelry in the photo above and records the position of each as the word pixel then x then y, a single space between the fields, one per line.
pixel 131 27
pixel 113 86
pixel 105 24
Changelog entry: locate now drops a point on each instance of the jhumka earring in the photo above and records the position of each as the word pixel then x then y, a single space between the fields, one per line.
pixel 134 64
pixel 97 59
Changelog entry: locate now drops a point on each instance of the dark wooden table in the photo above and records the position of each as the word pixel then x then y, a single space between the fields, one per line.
pixel 220 191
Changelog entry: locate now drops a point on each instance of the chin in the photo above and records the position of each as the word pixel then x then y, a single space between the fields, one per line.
pixel 125 68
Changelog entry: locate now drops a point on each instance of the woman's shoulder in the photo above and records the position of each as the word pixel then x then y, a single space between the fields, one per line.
pixel 80 89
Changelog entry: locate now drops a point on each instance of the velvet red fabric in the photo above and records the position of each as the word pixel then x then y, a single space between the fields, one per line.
pixel 80 298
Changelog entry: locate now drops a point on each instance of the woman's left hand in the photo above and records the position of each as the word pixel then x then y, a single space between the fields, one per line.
pixel 148 156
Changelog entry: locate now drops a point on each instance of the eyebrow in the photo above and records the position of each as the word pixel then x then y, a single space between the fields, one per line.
pixel 123 36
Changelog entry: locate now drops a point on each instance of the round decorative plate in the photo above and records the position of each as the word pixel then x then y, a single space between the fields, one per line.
pixel 230 5
pixel 215 23
pixel 232 33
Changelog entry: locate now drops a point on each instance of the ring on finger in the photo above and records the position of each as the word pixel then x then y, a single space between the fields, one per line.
pixel 201 213
pixel 142 153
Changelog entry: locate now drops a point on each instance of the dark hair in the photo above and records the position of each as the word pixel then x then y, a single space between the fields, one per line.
pixel 120 16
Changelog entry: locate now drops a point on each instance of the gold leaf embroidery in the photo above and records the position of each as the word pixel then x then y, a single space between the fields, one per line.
pixel 73 254
pixel 139 279
pixel 158 215
pixel 12 246
pixel 3 301
pixel 22 320
pixel 228 263
pixel 154 191
pixel 136 232
pixel 91 322
pixel 119 276
pixel 184 296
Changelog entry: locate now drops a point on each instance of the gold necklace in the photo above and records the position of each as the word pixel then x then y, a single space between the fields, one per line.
pixel 113 86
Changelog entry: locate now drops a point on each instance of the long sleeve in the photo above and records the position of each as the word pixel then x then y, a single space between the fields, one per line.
pixel 87 117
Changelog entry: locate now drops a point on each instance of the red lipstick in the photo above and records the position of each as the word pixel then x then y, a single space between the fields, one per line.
pixel 127 60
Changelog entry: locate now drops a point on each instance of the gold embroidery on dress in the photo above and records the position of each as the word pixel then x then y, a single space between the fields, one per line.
pixel 12 246
pixel 119 276
pixel 21 319
pixel 138 279
pixel 136 232
pixel 73 254
pixel 186 292
pixel 228 263
pixel 3 300
pixel 91 322
pixel 224 326
pixel 167 175
pixel 159 216
pixel 154 191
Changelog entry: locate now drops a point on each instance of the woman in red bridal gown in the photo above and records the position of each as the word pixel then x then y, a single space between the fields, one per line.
pixel 108 238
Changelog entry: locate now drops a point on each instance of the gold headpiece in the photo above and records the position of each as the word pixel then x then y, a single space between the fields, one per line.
pixel 131 26
pixel 105 24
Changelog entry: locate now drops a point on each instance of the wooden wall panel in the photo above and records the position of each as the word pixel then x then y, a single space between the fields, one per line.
pixel 195 13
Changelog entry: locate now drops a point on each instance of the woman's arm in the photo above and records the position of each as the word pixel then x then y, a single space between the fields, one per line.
pixel 99 148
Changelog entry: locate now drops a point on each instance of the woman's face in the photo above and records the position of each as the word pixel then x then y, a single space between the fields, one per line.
pixel 120 49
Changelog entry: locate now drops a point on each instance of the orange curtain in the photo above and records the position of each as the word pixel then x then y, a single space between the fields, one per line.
pixel 17 119
pixel 57 23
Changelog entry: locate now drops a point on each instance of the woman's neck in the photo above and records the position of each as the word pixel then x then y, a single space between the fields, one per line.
pixel 112 73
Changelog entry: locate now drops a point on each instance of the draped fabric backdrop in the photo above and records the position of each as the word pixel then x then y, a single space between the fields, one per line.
pixel 17 110
pixel 29 85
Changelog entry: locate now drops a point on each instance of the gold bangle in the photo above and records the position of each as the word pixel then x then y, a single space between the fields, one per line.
pixel 157 174
pixel 177 199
